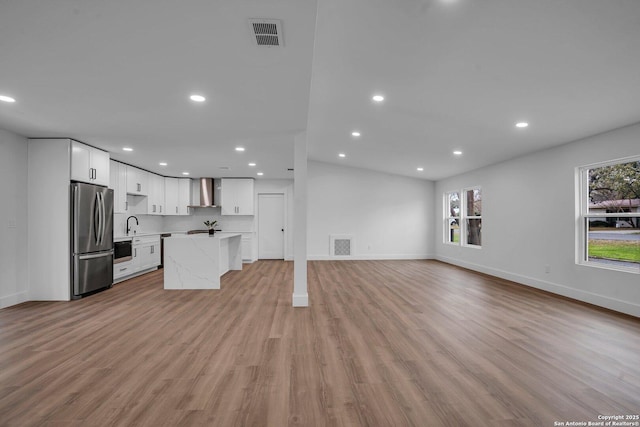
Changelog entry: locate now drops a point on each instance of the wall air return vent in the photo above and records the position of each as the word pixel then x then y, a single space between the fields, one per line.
pixel 341 245
pixel 267 32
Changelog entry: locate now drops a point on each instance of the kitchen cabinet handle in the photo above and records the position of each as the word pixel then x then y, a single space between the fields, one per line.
pixel 126 205
pixel 176 209
pixel 139 187
pixel 135 252
pixel 160 208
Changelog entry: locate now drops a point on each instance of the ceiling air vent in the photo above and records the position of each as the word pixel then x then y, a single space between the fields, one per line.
pixel 267 32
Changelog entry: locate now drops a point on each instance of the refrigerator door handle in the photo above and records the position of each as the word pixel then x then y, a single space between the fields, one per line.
pixel 102 218
pixel 96 219
pixel 75 216
pixel 98 255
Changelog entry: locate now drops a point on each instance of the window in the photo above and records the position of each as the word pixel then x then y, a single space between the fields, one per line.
pixel 452 217
pixel 463 217
pixel 609 215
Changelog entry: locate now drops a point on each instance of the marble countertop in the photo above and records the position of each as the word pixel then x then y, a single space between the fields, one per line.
pixel 218 235
pixel 124 238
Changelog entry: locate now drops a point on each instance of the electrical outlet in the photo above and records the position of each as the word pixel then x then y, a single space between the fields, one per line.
pixel 12 223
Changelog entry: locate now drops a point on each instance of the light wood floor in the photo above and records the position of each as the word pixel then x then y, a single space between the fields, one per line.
pixel 384 343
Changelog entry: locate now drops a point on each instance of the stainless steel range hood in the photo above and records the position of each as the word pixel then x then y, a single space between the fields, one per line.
pixel 206 193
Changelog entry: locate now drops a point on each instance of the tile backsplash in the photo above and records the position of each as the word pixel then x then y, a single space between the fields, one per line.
pixel 156 223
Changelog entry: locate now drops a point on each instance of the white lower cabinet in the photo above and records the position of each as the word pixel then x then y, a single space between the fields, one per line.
pixel 145 252
pixel 121 270
pixel 247 247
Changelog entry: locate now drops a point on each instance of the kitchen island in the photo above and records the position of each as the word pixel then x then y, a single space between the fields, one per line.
pixel 197 261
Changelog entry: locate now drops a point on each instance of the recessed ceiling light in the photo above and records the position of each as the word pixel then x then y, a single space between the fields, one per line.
pixel 342 155
pixel 127 149
pixel 252 164
pixel 355 133
pixel 6 98
pixel 239 148
pixel 457 153
pixel 260 173
pixel 163 163
pixel 522 124
pixel 197 98
pixel 378 98
pixel 185 173
pixel 419 169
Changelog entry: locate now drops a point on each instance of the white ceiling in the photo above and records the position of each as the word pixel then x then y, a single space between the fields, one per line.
pixel 456 74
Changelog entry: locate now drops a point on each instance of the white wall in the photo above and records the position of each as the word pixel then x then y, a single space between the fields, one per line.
pixel 48 201
pixel 529 222
pixel 390 216
pixel 13 219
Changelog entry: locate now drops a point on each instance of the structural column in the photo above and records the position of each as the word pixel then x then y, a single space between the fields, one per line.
pixel 300 295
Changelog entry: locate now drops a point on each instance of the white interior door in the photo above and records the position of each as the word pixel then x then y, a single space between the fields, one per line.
pixel 271 226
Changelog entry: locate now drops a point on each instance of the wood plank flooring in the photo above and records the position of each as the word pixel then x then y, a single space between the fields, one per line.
pixel 384 343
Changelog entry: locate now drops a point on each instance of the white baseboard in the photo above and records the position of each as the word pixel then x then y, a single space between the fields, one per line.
pixel 368 257
pixel 13 299
pixel 301 300
pixel 556 288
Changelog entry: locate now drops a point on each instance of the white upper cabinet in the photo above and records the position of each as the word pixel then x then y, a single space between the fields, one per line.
pixel 156 196
pixel 137 181
pixel 89 164
pixel 236 196
pixel 118 182
pixel 184 196
pixel 177 193
pixel 171 196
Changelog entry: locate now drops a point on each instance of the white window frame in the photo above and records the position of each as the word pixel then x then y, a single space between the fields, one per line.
pixel 583 216
pixel 462 217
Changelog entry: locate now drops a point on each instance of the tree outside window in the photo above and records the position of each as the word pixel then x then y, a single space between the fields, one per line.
pixel 452 217
pixel 610 215
pixel 473 198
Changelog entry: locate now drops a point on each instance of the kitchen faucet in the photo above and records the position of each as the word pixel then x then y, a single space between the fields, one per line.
pixel 129 228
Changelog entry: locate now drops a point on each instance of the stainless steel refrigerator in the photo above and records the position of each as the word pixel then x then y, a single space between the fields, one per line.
pixel 91 238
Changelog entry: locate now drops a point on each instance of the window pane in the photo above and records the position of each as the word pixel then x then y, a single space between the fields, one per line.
pixel 617 244
pixel 474 232
pixel 474 202
pixel 615 189
pixel 454 204
pixel 453 236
